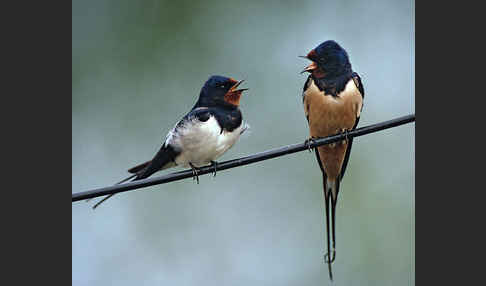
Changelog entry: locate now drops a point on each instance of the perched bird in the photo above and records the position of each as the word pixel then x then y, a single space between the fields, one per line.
pixel 212 126
pixel 333 99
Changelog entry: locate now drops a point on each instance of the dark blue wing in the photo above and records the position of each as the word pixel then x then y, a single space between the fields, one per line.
pixel 359 84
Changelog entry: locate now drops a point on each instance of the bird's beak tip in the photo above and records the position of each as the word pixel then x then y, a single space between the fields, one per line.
pixel 235 86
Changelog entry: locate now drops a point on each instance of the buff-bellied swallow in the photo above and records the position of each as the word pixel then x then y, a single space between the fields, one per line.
pixel 212 126
pixel 333 99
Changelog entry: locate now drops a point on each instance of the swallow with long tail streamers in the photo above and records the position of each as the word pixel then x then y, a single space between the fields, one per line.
pixel 212 126
pixel 333 99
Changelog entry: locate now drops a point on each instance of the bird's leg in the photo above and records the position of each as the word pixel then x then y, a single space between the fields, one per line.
pixel 215 165
pixel 308 143
pixel 195 175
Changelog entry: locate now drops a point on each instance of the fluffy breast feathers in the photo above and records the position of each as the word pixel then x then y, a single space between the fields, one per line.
pixel 201 141
pixel 327 114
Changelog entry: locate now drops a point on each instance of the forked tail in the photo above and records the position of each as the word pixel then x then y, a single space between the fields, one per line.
pixel 109 196
pixel 331 190
pixel 163 159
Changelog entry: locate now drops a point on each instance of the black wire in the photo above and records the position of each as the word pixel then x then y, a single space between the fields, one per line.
pixel 285 150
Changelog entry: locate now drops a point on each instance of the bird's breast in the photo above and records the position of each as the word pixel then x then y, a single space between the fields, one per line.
pixel 202 142
pixel 327 114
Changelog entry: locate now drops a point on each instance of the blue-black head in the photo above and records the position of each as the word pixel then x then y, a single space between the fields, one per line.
pixel 329 60
pixel 220 91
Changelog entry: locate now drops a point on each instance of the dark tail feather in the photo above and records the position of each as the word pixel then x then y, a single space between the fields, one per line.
pixel 109 196
pixel 164 156
pixel 101 201
pixel 163 159
pixel 327 256
pixel 333 216
pixel 138 168
pixel 327 193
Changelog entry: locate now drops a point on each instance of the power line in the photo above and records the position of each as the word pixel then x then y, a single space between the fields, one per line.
pixel 285 150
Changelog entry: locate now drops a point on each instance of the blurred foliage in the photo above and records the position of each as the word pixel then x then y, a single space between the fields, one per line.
pixel 137 68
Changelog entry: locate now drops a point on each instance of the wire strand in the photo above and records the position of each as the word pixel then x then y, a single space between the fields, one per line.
pixel 266 155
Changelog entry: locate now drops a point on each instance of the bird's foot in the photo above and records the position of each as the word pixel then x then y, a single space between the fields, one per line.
pixel 195 175
pixel 308 143
pixel 215 166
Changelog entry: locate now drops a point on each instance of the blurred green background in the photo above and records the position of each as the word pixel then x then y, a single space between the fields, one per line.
pixel 137 68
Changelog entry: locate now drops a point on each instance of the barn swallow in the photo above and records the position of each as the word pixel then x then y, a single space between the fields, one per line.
pixel 333 99
pixel 212 126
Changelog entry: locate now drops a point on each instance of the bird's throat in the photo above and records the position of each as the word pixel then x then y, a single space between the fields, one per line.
pixel 233 98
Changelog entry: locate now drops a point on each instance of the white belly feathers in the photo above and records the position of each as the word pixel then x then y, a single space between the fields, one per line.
pixel 201 142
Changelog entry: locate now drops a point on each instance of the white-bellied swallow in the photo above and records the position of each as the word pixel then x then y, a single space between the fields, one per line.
pixel 212 126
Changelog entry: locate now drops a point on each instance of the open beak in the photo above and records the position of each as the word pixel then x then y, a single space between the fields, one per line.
pixel 233 95
pixel 313 66
pixel 310 68
pixel 234 89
